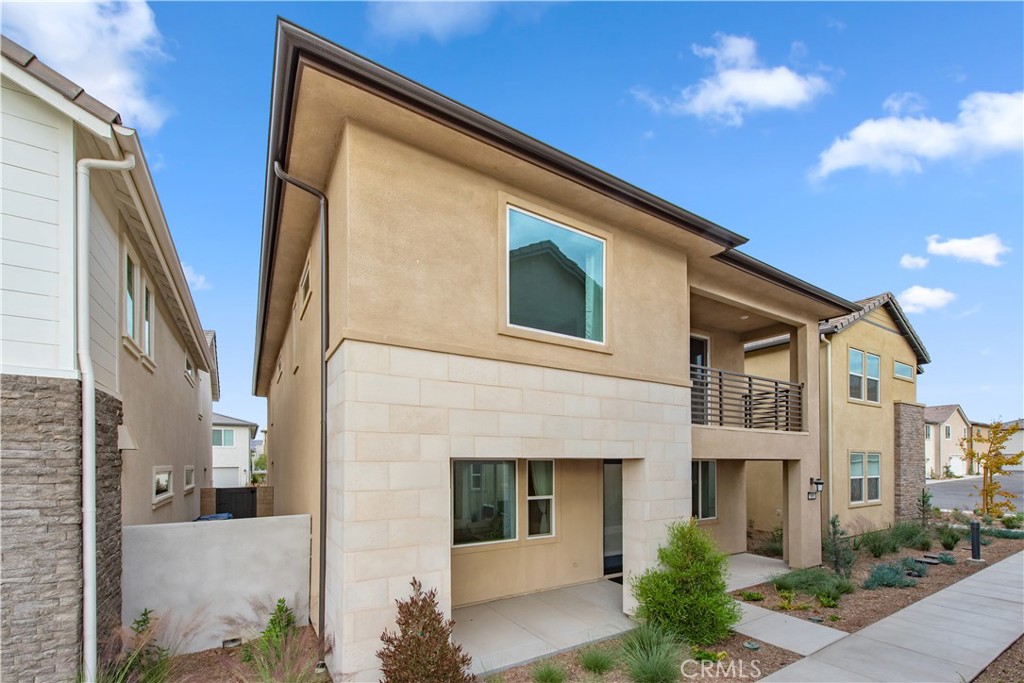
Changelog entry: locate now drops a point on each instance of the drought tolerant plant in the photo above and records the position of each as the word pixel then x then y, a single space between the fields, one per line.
pixel 910 535
pixel 546 672
pixel 651 654
pixel 946 558
pixel 812 581
pixel 836 548
pixel 1013 521
pixel 597 660
pixel 421 650
pixel 786 603
pixel 959 516
pixel 283 651
pixel 827 600
pixel 134 656
pixel 773 546
pixel 752 596
pixel 916 568
pixel 686 593
pixel 989 454
pixel 888 575
pixel 879 542
pixel 271 640
pixel 924 506
pixel 702 655
pixel 949 537
pixel 1001 533
pixel 987 520
pixel 834 617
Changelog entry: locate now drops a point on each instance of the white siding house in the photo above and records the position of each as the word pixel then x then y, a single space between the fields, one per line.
pixel 232 463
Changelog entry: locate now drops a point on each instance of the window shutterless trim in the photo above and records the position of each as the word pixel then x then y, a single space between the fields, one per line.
pixel 515 496
pixel 162 498
pixel 551 498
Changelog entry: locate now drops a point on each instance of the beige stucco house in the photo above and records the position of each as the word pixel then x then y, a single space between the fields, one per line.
pixel 104 361
pixel 531 367
pixel 944 429
pixel 871 424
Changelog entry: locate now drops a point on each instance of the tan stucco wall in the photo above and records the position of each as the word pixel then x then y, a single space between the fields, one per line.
pixel 169 420
pixel 944 449
pixel 764 495
pixel 574 555
pixel 729 528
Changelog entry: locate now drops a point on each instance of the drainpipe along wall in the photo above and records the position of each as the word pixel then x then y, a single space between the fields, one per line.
pixel 324 343
pixel 83 202
pixel 828 416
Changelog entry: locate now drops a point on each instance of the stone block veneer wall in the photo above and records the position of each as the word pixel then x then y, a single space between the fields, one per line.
pixel 396 419
pixel 41 526
pixel 908 456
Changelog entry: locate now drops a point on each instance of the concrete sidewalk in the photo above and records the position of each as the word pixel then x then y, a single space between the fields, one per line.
pixel 951 635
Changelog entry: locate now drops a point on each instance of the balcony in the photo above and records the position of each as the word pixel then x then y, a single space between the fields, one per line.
pixel 731 399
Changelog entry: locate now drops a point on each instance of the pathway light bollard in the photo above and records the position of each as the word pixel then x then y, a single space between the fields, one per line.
pixel 975 541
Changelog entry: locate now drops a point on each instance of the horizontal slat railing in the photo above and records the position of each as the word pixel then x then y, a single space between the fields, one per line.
pixel 732 399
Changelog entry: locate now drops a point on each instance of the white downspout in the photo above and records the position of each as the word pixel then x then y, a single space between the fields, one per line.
pixel 828 416
pixel 83 203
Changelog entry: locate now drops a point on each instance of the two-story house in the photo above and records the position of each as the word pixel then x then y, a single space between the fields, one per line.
pixel 945 427
pixel 496 368
pixel 107 375
pixel 871 423
pixel 232 451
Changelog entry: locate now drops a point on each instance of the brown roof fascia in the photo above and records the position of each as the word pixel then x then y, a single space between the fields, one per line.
pixel 760 269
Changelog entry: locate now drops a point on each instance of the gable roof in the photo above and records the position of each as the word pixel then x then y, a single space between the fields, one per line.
pixel 136 194
pixel 296 47
pixel 939 414
pixel 889 302
pixel 227 421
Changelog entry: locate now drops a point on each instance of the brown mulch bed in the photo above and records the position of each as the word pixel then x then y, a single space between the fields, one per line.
pixel 1007 668
pixel 746 664
pixel 225 665
pixel 864 607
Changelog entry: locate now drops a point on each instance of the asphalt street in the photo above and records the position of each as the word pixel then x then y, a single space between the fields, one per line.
pixel 960 493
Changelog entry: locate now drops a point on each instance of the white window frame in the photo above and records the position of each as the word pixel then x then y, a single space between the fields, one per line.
pixel 190 370
pixel 865 477
pixel 910 369
pixel 864 376
pixel 605 243
pixel 476 477
pixel 927 431
pixel 948 432
pixel 168 495
pixel 515 497
pixel 551 498
pixel 186 486
pixel 223 431
pixel 700 488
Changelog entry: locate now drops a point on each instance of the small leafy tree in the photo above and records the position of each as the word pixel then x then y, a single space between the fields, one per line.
pixel 924 507
pixel 686 594
pixel 837 548
pixel 422 651
pixel 988 452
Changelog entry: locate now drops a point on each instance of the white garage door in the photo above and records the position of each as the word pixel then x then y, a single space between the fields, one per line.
pixel 225 477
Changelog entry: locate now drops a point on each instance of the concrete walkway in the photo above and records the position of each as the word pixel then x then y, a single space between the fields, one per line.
pixel 951 635
pixel 790 633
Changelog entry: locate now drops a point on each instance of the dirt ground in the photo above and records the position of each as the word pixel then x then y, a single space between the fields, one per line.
pixel 1007 668
pixel 225 665
pixel 865 607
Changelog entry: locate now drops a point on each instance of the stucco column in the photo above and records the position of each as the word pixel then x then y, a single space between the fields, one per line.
pixel 803 526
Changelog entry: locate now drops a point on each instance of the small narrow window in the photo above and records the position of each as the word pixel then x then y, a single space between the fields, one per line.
pixel 874 367
pixel 949 432
pixel 856 365
pixel 856 477
pixel 927 431
pixel 540 497
pixel 190 478
pixel 147 321
pixel 704 483
pixel 903 371
pixel 304 288
pixel 874 476
pixel 190 371
pixel 129 297
pixel 163 484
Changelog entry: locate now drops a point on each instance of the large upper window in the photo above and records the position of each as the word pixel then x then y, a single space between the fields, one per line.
pixel 223 437
pixel 704 477
pixel 865 477
pixel 555 277
pixel 540 498
pixel 864 376
pixel 483 501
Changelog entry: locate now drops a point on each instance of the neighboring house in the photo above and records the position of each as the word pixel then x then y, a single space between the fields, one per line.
pixel 232 456
pixel 944 428
pixel 1015 444
pixel 107 307
pixel 871 423
pixel 489 430
pixel 978 430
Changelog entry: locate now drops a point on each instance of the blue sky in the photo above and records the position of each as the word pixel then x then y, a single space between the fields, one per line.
pixel 863 147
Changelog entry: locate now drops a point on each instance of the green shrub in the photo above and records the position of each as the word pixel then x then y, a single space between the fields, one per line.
pixel 949 537
pixel 702 655
pixel 651 654
pixel 834 617
pixel 911 535
pixel 888 575
pixel 911 565
pixel 421 650
pixel 812 581
pixel 924 506
pixel 879 542
pixel 137 658
pixel 546 672
pixel 836 549
pixel 960 516
pixel 752 596
pixel 1013 521
pixel 946 558
pixel 826 600
pixel 987 519
pixel 597 660
pixel 773 546
pixel 1002 533
pixel 686 594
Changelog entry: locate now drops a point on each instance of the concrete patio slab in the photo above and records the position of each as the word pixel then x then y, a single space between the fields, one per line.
pixel 789 633
pixel 747 569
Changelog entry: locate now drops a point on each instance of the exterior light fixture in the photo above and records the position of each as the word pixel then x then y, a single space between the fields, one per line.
pixel 816 487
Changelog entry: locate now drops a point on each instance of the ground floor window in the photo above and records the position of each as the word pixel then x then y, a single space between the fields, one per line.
pixel 483 501
pixel 540 497
pixel 704 478
pixel 865 477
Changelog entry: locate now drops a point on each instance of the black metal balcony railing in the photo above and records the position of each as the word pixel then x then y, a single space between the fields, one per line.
pixel 732 399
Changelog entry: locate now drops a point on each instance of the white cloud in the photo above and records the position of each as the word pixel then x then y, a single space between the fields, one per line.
pixel 102 46
pixel 836 24
pixel 918 299
pixel 913 262
pixel 904 103
pixel 740 85
pixel 984 249
pixel 989 123
pixel 439 20
pixel 196 281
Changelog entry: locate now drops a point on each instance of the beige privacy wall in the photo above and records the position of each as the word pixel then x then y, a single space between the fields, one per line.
pixel 398 416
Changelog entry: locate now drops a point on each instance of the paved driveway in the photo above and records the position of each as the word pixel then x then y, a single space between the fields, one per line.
pixel 960 493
